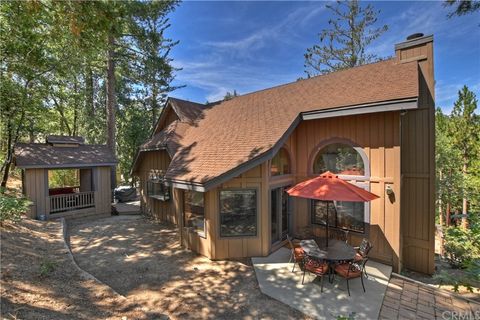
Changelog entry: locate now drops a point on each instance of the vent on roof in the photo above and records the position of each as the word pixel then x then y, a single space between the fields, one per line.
pixel 415 36
pixel 65 140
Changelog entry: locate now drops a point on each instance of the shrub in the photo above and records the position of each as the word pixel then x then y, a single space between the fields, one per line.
pixel 462 246
pixel 47 266
pixel 12 205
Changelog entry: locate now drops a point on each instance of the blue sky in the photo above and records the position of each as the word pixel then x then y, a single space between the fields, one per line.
pixel 250 45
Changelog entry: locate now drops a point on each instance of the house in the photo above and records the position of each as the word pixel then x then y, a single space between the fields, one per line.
pixel 219 171
pixel 87 168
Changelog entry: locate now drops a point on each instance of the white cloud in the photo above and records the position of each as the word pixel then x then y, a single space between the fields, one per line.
pixel 284 30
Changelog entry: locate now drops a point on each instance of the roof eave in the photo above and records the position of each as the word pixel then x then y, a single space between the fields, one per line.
pixel 66 165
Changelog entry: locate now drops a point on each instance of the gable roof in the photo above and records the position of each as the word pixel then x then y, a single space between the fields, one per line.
pixel 236 132
pixel 43 155
pixel 186 111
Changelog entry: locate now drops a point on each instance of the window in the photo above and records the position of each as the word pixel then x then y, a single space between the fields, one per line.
pixel 156 187
pixel 238 213
pixel 280 163
pixel 340 159
pixel 194 211
pixel 341 214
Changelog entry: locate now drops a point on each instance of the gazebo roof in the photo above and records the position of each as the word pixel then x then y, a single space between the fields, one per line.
pixel 73 154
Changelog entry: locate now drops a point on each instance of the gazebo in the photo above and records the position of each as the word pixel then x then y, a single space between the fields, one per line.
pixel 85 177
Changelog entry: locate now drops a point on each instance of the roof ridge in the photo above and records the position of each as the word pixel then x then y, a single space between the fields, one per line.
pixel 307 79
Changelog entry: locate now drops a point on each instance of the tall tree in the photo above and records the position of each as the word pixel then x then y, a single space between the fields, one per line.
pixel 465 131
pixel 344 44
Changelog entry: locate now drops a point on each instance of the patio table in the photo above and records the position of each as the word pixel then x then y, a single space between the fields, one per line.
pixel 336 250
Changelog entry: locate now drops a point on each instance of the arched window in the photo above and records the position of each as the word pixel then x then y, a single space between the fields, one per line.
pixel 339 158
pixel 281 163
pixel 351 164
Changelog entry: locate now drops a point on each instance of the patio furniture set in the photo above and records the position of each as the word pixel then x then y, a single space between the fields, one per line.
pixel 338 258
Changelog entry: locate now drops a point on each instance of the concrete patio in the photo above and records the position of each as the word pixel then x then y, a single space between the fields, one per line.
pixel 277 281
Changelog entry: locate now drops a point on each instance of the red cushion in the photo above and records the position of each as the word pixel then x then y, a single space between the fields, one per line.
pixel 343 270
pixel 316 267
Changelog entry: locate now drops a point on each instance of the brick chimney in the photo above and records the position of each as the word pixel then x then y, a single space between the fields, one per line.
pixel 419 48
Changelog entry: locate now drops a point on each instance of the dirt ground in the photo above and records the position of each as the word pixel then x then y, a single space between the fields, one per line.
pixel 143 261
pixel 39 281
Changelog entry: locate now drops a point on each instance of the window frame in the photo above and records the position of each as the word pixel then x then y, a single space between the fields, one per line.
pixel 290 164
pixel 356 147
pixel 203 233
pixel 155 177
pixel 366 212
pixel 257 215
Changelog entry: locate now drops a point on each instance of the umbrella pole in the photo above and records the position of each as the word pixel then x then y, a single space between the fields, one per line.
pixel 327 224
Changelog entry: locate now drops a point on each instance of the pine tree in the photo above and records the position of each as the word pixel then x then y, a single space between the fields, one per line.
pixel 345 44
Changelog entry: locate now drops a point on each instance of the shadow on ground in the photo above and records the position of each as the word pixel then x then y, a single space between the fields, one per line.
pixel 143 261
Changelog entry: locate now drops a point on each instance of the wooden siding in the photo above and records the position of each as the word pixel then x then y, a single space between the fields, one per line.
pixel 215 247
pixel 36 189
pixel 160 210
pixel 418 167
pixel 379 136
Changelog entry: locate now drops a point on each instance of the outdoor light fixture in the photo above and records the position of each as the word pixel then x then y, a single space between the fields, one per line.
pixel 389 190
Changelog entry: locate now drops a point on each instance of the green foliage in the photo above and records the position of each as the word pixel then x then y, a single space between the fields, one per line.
pixel 462 245
pixel 63 178
pixel 52 70
pixel 351 316
pixel 47 267
pixel 12 205
pixel 344 45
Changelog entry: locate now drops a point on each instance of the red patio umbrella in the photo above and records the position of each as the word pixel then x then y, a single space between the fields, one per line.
pixel 329 187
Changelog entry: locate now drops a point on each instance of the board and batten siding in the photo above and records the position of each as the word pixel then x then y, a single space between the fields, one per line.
pixel 159 210
pixel 215 247
pixel 36 189
pixel 418 166
pixel 378 134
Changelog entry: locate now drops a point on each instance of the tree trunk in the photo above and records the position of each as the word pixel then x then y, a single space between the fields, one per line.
pixel 111 104
pixel 111 94
pixel 154 105
pixel 464 200
pixel 447 214
pixel 89 104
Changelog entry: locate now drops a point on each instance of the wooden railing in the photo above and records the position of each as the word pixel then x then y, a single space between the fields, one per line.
pixel 72 201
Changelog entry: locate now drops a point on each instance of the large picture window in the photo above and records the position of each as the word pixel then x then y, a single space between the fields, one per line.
pixel 194 211
pixel 238 213
pixel 157 189
pixel 341 214
pixel 280 163
pixel 340 159
pixel 344 160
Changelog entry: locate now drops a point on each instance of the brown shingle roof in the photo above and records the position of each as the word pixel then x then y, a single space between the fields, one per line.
pixel 168 138
pixel 187 111
pixel 41 155
pixel 238 130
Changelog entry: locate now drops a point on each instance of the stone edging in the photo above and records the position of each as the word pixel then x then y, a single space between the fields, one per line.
pixel 84 274
pixel 433 287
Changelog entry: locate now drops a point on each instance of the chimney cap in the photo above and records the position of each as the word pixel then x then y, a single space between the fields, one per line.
pixel 415 36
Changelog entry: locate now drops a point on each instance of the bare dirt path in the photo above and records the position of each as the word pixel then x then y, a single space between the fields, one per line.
pixel 143 261
pixel 39 281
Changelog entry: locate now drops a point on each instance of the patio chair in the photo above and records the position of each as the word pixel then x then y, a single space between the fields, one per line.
pixel 318 268
pixel 297 254
pixel 361 255
pixel 350 270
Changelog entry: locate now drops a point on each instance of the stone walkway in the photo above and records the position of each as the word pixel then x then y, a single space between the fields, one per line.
pixel 406 299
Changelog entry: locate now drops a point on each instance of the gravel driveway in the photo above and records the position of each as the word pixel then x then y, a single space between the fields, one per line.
pixel 143 261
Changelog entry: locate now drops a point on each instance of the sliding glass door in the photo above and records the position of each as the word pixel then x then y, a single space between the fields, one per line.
pixel 279 214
